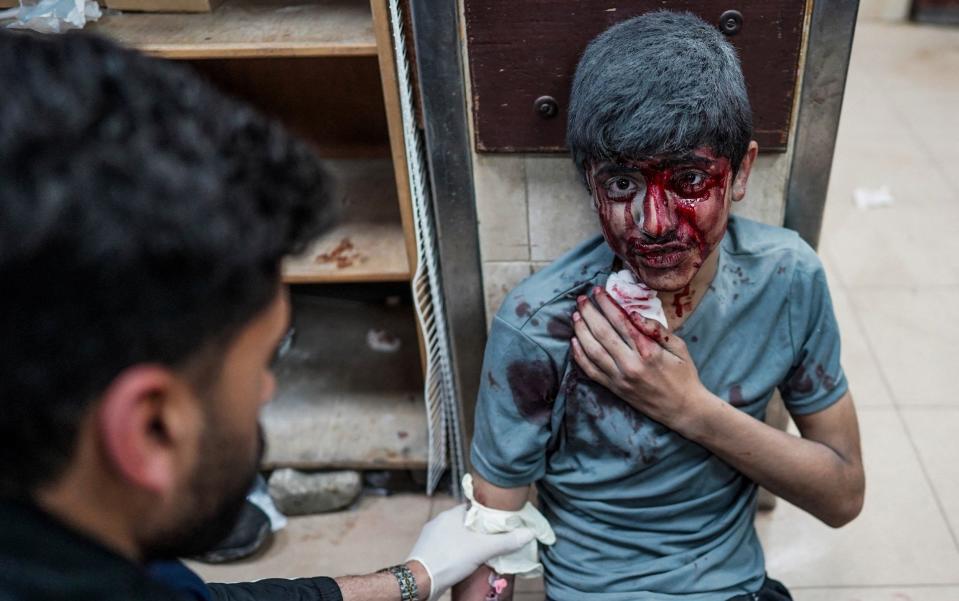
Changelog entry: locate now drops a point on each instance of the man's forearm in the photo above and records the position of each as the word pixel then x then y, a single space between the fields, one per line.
pixel 382 586
pixel 807 473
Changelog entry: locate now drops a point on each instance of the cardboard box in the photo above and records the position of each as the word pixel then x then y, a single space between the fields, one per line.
pixel 163 6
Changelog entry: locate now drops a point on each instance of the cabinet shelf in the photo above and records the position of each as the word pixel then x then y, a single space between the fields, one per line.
pixel 368 243
pixel 344 400
pixel 249 28
pixel 353 252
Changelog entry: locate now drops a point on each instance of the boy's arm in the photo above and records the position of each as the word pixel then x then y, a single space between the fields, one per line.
pixel 651 369
pixel 476 586
pixel 821 472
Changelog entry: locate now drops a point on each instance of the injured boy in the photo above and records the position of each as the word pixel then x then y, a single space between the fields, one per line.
pixel 629 379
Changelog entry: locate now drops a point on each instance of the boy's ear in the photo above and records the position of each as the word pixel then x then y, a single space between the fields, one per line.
pixel 742 176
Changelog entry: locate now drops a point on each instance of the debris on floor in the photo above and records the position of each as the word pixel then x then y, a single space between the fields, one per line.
pixel 866 198
pixel 301 493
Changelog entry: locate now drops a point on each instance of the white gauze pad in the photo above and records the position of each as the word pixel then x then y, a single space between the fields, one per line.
pixel 523 562
pixel 635 296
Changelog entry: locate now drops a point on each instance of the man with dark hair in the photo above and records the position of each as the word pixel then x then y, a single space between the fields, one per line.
pixel 629 379
pixel 143 218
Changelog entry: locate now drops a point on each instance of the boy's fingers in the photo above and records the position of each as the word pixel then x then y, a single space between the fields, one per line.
pixel 616 316
pixel 595 351
pixel 589 368
pixel 603 331
pixel 657 334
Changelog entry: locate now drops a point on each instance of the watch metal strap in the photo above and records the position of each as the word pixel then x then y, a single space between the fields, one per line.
pixel 404 577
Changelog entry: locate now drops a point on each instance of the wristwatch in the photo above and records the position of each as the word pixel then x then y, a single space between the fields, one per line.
pixel 404 577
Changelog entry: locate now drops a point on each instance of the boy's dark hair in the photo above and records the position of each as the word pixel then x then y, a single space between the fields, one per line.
pixel 661 83
pixel 142 219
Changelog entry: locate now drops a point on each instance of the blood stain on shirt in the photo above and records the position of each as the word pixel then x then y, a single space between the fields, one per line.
pixel 532 386
pixel 800 382
pixel 560 328
pixel 828 382
pixel 523 309
pixel 736 396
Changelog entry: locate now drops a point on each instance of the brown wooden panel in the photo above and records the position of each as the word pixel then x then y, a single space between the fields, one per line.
pixel 335 103
pixel 936 11
pixel 519 51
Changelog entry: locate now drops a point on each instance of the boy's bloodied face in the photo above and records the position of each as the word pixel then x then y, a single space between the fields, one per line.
pixel 663 215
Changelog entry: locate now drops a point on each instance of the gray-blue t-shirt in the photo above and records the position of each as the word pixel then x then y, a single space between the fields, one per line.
pixel 639 511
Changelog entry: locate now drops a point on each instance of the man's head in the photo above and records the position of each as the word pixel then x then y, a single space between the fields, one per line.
pixel 142 221
pixel 660 126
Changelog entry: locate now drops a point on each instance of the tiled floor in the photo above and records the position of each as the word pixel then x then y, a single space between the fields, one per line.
pixel 894 275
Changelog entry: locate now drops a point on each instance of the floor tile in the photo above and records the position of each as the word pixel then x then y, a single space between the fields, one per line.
pixel 377 532
pixel 884 9
pixel 858 361
pixel 934 433
pixel 909 593
pixel 907 56
pixel 914 242
pixel 916 339
pixel 900 538
pixel 933 119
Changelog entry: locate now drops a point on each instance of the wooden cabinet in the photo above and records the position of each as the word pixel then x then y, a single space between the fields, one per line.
pixel 522 51
pixel 350 390
pixel 936 11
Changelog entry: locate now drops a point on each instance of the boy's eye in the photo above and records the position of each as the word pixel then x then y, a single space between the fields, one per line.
pixel 689 182
pixel 621 187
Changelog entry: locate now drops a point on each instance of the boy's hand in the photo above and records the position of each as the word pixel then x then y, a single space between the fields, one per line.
pixel 637 358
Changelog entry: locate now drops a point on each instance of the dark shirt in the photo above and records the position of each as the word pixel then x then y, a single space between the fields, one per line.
pixel 41 558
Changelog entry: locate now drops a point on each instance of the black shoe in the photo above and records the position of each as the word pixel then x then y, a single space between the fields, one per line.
pixel 251 532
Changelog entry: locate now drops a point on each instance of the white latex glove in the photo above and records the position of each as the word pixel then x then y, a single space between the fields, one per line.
pixel 523 562
pixel 450 551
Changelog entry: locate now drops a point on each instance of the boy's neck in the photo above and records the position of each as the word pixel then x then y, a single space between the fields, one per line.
pixel 679 305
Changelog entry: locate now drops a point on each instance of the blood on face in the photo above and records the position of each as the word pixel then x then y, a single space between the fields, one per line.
pixel 663 215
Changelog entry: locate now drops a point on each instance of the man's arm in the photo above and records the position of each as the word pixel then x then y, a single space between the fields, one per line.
pixel 382 586
pixel 445 553
pixel 650 368
pixel 476 587
pixel 371 587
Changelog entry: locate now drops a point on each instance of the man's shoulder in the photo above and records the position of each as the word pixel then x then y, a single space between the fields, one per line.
pixel 544 294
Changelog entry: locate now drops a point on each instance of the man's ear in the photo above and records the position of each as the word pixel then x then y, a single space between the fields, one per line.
pixel 143 421
pixel 742 176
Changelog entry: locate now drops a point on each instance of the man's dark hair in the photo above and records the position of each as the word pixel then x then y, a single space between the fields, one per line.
pixel 661 83
pixel 142 219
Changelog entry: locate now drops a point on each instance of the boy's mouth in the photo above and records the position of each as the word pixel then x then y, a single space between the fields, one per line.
pixel 661 256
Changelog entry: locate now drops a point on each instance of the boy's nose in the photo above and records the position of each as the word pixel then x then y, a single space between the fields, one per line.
pixel 658 219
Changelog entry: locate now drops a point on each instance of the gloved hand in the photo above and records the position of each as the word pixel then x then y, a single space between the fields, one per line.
pixel 450 552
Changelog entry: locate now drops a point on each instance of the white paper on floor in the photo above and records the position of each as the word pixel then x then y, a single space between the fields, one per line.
pixel 867 198
pixel 55 16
